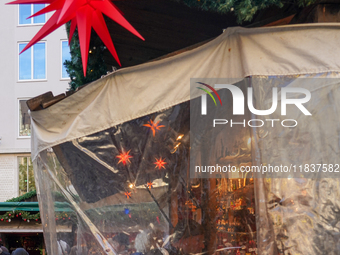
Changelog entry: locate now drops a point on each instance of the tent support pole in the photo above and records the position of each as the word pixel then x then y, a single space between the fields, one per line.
pixel 163 213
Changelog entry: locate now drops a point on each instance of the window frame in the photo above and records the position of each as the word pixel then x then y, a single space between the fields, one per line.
pixel 32 63
pixel 32 19
pixel 61 60
pixel 19 120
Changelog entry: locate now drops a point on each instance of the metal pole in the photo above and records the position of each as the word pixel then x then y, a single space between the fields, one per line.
pixel 27 173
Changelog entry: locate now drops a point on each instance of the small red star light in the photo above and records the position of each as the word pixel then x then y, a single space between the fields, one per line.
pixel 150 185
pixel 160 163
pixel 153 126
pixel 127 194
pixel 124 157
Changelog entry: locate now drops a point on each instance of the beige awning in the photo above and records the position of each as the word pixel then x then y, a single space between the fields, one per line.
pixel 141 90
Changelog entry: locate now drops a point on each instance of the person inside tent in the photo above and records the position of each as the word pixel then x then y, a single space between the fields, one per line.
pixel 3 252
pixel 120 243
pixel 3 248
pixel 188 238
pixel 20 251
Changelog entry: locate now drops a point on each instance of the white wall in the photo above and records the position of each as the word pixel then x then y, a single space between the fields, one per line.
pixel 8 177
pixel 11 145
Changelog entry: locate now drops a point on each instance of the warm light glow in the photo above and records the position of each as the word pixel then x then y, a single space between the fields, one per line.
pixel 131 186
pixel 160 163
pixel 175 148
pixel 179 137
pixel 124 157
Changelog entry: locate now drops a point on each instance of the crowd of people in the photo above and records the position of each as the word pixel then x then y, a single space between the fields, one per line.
pixel 187 238
pixel 17 251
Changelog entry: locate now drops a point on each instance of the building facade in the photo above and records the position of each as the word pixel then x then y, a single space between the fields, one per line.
pixel 37 70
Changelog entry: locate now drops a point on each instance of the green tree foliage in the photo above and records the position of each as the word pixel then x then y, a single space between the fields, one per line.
pixel 95 65
pixel 243 9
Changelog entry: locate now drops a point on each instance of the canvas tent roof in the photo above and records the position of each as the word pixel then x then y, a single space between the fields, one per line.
pixel 140 90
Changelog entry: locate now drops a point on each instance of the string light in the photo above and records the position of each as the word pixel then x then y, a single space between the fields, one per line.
pixel 179 137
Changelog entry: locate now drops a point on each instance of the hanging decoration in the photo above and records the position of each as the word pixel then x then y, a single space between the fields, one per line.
pixel 153 126
pixel 124 157
pixel 127 194
pixel 150 185
pixel 23 214
pixel 84 14
pixel 160 163
pixel 63 216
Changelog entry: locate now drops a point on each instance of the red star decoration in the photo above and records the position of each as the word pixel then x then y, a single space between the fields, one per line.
pixel 127 194
pixel 85 14
pixel 124 157
pixel 153 126
pixel 160 163
pixel 150 185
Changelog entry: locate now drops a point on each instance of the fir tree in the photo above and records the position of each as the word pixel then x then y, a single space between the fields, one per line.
pixel 243 9
pixel 95 67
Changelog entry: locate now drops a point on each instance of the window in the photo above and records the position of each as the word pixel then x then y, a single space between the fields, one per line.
pixel 26 10
pixel 32 62
pixel 24 119
pixel 65 55
pixel 26 175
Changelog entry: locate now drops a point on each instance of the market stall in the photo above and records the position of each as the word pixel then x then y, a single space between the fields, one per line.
pixel 123 150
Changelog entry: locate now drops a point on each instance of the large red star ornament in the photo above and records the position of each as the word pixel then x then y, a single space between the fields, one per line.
pixel 124 157
pixel 85 14
pixel 153 126
pixel 160 163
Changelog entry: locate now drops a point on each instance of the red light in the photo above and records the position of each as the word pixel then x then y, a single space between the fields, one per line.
pixel 153 126
pixel 124 157
pixel 160 163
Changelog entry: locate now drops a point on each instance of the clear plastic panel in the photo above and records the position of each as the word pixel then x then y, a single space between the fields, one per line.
pixel 127 189
pixel 302 206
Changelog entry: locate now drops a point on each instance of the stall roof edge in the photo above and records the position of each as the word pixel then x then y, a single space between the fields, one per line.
pixel 47 99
